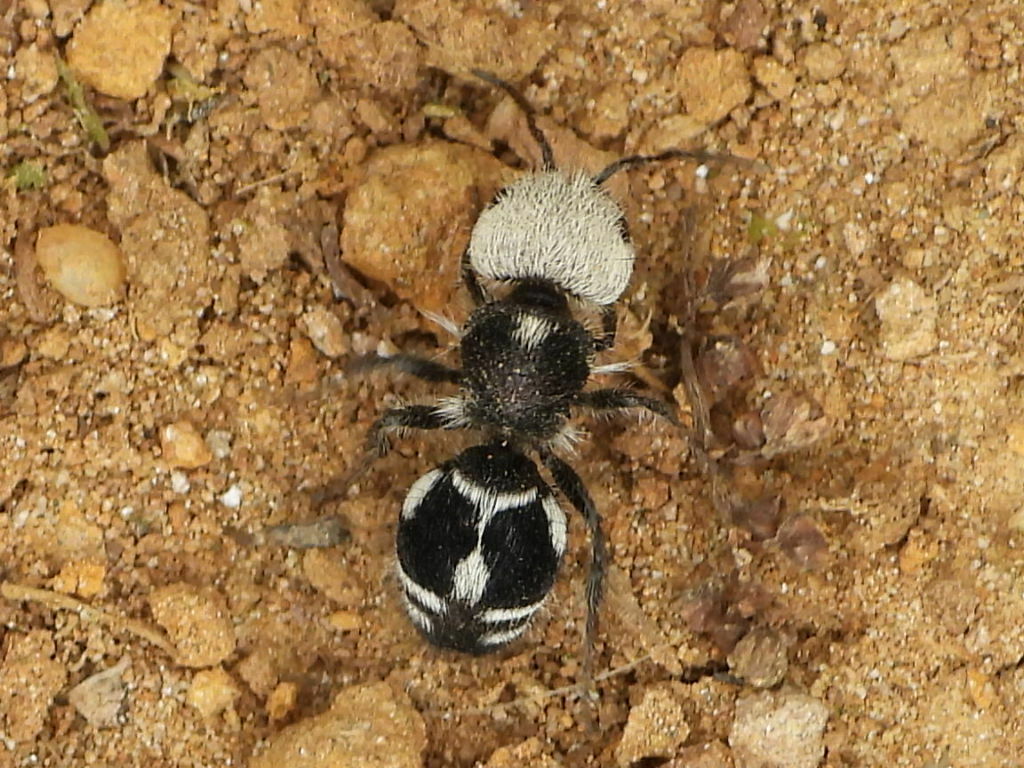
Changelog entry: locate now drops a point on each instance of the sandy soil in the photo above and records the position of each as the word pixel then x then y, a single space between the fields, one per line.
pixel 290 184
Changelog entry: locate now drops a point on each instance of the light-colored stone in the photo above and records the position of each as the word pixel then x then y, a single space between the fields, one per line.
pixel 778 730
pixel 37 71
pixel 120 49
pixel 83 265
pixel 908 317
pixel 774 77
pixel 712 83
pixel 759 658
pixel 281 701
pixel 100 697
pixel 407 223
pixel 325 331
pixel 29 680
pixel 367 726
pixel 284 86
pixel 212 691
pixel 656 727
pixel 196 621
pixel 183 446
pixel 823 61
pixel 526 753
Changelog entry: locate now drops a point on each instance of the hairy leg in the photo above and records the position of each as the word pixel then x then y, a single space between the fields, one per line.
pixel 633 161
pixel 378 444
pixel 469 279
pixel 420 367
pixel 572 487
pixel 609 325
pixel 547 156
pixel 621 399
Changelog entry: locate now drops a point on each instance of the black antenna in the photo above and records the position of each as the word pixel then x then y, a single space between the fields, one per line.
pixel 547 157
pixel 700 155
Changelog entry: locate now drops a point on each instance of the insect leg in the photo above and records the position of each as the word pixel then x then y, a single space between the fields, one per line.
pixel 569 483
pixel 609 323
pixel 469 279
pixel 700 155
pixel 421 368
pixel 621 399
pixel 378 444
pixel 547 156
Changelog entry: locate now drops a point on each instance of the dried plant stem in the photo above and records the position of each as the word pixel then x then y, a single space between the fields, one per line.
pixel 722 494
pixel 59 601
pixel 569 691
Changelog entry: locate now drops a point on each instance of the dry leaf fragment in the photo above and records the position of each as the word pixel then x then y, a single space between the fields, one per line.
pixel 760 517
pixel 791 423
pixel 724 364
pixel 748 431
pixel 99 697
pixel 802 541
pixel 759 659
pixel 731 279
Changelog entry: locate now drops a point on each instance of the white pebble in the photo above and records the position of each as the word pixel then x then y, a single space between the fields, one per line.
pixel 179 482
pixel 232 497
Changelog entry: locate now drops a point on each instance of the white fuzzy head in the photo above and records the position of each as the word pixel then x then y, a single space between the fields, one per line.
pixel 559 227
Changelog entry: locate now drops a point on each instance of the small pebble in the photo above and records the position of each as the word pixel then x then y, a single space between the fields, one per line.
pixel 232 497
pixel 80 577
pixel 179 482
pixel 30 678
pixel 100 697
pixel 12 352
pixel 37 71
pixel 197 622
pixel 212 691
pixel 345 621
pixel 823 61
pixel 656 727
pixel 527 753
pixel 325 331
pixel 759 659
pixel 778 730
pixel 183 446
pixel 712 83
pixel 219 441
pixel 1015 437
pixel 81 264
pixel 367 725
pixel 909 318
pixel 281 701
pixel 119 49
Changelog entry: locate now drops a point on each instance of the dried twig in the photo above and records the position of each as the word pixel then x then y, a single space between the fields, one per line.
pixel 569 691
pixel 344 284
pixel 59 601
pixel 26 279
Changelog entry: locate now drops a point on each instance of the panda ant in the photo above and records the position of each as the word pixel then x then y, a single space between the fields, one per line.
pixel 481 536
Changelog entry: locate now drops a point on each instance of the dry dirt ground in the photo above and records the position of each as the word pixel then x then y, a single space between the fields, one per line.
pixel 282 186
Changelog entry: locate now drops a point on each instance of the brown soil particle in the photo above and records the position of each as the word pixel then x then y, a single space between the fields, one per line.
pixel 30 678
pixel 822 567
pixel 367 726
pixel 196 621
pixel 212 691
pixel 781 730
pixel 656 727
pixel 119 49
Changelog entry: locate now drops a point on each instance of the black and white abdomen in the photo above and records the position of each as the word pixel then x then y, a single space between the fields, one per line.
pixel 479 543
pixel 555 226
